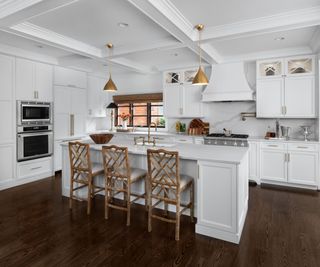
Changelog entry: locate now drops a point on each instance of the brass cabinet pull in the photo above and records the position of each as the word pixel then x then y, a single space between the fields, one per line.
pixel 71 124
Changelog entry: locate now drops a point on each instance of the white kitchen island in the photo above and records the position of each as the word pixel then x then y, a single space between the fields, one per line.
pixel 221 182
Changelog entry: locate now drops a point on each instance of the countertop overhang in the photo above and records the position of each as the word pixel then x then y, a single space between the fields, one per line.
pixel 221 154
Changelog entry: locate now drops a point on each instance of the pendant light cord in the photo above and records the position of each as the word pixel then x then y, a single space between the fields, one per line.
pixel 110 54
pixel 199 44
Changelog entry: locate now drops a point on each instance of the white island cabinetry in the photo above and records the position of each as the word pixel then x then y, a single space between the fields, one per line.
pixel 221 183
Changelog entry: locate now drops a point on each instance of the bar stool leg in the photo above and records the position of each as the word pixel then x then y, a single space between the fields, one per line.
pixel 71 193
pixel 149 212
pixel 178 220
pixel 89 198
pixel 106 198
pixel 128 204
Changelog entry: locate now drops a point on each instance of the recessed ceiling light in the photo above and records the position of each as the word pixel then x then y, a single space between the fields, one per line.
pixel 39 46
pixel 281 38
pixel 123 24
pixel 175 54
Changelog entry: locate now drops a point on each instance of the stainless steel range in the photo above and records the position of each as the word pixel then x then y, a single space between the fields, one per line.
pixel 220 139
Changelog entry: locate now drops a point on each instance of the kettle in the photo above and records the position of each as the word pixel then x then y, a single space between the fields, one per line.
pixel 285 132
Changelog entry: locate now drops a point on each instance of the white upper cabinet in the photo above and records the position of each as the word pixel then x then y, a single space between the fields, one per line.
pixel 69 112
pixel 98 99
pixel 270 97
pixel 181 99
pixel 33 81
pixel 286 88
pixel 70 78
pixel 44 82
pixel 7 102
pixel 300 97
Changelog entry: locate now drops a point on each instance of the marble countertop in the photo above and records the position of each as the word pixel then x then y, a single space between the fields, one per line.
pixel 221 154
pixel 293 140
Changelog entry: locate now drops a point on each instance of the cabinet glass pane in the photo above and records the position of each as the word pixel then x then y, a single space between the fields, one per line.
pixel 173 77
pixel 301 65
pixel 270 68
pixel 188 75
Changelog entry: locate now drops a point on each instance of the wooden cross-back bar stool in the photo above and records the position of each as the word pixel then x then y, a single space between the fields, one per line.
pixel 119 177
pixel 83 172
pixel 165 185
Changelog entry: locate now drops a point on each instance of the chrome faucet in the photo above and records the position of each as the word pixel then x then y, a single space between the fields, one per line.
pixel 149 126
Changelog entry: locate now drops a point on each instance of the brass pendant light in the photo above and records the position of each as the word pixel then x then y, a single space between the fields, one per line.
pixel 110 86
pixel 200 78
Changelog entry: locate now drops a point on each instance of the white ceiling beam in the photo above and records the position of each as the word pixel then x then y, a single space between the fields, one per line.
pixel 9 7
pixel 304 50
pixel 315 41
pixel 29 9
pixel 35 32
pixel 132 65
pixel 280 22
pixel 166 15
pixel 120 51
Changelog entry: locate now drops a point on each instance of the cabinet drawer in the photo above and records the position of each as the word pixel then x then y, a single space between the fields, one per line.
pixel 34 167
pixel 303 147
pixel 273 145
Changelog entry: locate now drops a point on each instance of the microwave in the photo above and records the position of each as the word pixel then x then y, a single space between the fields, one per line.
pixel 30 112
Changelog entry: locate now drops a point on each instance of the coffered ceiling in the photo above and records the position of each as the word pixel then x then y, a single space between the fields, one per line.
pixel 154 35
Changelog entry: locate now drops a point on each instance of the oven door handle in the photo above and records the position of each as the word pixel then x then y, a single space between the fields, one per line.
pixel 21 135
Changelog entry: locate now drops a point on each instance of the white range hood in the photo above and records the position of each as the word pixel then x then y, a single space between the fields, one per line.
pixel 229 82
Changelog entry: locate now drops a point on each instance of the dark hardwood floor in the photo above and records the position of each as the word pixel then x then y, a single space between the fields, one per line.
pixel 37 229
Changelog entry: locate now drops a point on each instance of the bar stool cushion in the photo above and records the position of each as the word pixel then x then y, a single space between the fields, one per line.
pixel 97 168
pixel 137 173
pixel 185 180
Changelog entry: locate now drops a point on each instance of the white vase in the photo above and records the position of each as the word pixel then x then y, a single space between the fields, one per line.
pixel 124 124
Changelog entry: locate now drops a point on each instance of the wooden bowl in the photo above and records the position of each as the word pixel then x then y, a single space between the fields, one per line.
pixel 101 138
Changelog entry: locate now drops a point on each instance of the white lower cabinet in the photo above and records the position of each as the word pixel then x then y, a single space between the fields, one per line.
pixel 35 168
pixel 294 164
pixel 273 165
pixel 7 163
pixel 303 168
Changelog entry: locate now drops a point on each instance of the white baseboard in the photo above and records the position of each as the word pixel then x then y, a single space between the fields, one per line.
pixel 16 182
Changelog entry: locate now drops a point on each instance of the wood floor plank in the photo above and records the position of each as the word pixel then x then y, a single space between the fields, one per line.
pixel 38 229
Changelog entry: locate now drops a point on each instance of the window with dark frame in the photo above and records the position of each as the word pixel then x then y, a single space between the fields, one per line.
pixel 141 114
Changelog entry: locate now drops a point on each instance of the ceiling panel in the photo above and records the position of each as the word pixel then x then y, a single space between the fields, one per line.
pixel 264 42
pixel 30 45
pixel 219 12
pixel 166 57
pixel 95 22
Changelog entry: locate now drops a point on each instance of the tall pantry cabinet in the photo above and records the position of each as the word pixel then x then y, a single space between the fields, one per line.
pixel 70 102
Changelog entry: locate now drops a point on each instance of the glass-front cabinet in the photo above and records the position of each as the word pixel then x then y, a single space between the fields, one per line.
pixel 300 66
pixel 286 88
pixel 282 67
pixel 270 68
pixel 179 77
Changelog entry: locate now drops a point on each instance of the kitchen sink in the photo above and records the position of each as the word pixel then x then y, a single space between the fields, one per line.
pixel 157 144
